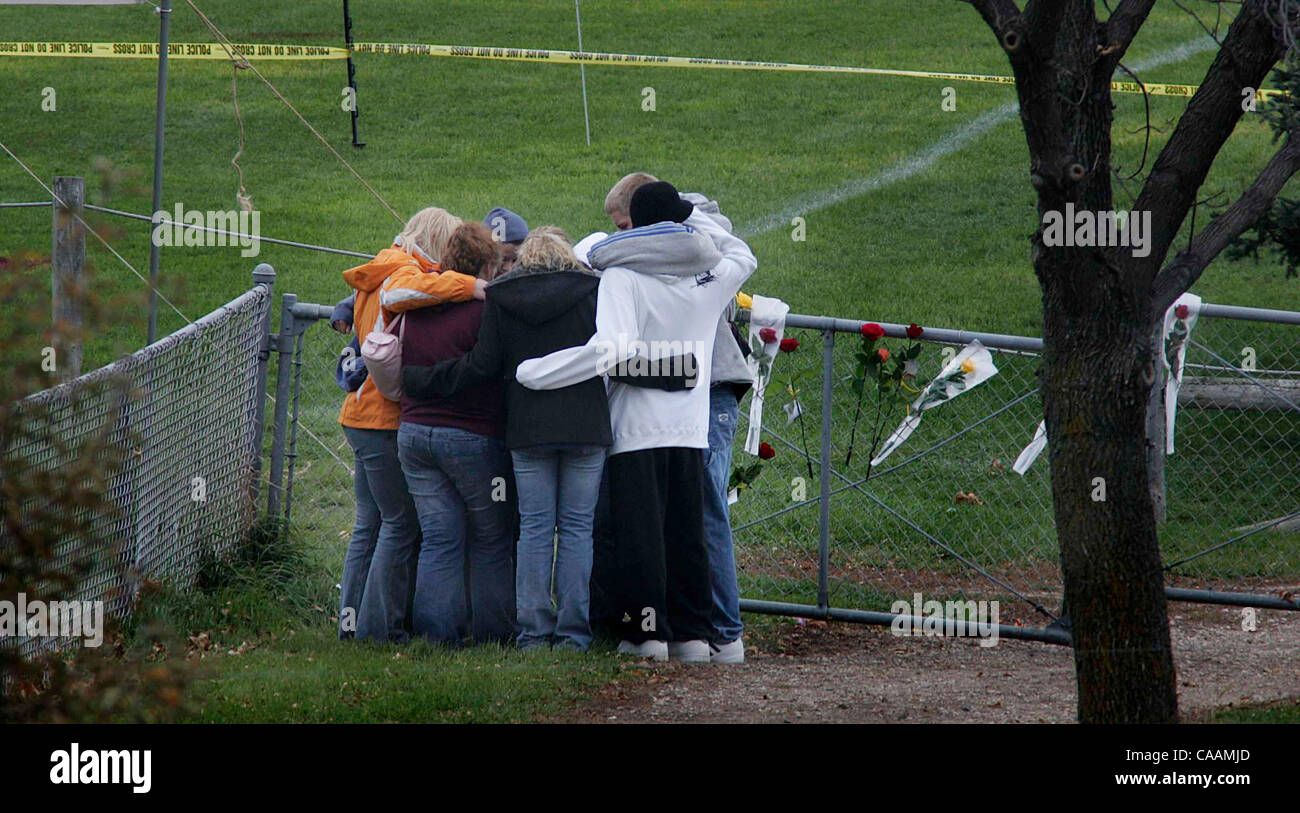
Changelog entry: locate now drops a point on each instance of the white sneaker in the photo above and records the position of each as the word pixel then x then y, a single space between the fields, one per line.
pixel 689 651
pixel 733 652
pixel 654 650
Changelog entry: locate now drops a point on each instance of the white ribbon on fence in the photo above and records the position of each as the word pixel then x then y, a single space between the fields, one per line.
pixel 1031 452
pixel 1177 333
pixel 766 312
pixel 981 369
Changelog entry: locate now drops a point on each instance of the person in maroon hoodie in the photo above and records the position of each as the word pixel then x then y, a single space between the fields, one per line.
pixel 457 467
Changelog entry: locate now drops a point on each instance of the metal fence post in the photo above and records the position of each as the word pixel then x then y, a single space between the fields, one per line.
pixel 292 453
pixel 284 367
pixel 824 520
pixel 263 275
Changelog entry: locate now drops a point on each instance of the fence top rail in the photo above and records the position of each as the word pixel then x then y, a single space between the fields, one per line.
pixel 1212 311
pixel 1002 341
pixel 998 341
pixel 120 365
pixel 308 310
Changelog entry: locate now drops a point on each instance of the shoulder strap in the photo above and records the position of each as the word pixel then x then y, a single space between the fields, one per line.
pixel 388 328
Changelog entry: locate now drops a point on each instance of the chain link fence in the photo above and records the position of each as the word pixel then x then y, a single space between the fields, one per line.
pixel 945 515
pixel 186 414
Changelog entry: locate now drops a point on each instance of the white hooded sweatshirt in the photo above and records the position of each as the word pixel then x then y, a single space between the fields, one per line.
pixel 647 304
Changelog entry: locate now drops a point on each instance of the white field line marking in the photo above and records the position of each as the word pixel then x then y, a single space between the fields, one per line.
pixel 927 157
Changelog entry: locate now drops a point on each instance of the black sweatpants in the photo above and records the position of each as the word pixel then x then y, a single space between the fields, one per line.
pixel 658 579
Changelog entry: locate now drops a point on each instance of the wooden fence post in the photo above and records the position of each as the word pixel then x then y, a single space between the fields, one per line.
pixel 67 264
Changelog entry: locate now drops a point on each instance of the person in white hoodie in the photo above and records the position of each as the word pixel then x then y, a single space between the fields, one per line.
pixel 729 379
pixel 666 282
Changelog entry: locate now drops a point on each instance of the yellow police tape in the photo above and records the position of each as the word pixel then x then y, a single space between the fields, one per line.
pixel 263 51
pixel 592 58
pixel 175 50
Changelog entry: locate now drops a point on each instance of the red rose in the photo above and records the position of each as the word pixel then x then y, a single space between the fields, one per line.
pixel 914 331
pixel 882 354
pixel 789 345
pixel 1181 311
pixel 765 451
pixel 767 334
pixel 872 331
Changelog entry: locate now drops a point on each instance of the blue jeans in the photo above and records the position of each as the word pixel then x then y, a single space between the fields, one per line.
pixel 725 615
pixel 460 483
pixel 558 484
pixel 381 554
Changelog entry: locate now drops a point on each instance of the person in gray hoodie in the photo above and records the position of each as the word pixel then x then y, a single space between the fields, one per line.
pixel 666 282
pixel 729 381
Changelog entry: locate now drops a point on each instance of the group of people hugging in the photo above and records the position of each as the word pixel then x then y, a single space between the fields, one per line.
pixel 559 460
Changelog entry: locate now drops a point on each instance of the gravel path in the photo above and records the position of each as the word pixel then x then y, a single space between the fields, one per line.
pixel 840 673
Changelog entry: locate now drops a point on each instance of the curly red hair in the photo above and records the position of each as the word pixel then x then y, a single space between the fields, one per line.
pixel 471 250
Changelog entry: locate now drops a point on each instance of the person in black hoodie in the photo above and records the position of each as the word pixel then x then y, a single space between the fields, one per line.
pixel 558 438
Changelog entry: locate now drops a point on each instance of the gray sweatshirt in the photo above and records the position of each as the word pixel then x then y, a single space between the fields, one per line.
pixel 729 365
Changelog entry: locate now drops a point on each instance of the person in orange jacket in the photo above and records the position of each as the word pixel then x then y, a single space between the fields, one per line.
pixel 381 555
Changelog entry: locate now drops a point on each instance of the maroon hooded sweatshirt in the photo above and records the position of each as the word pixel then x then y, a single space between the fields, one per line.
pixel 448 332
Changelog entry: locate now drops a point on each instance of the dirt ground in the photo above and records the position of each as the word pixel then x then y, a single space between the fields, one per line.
pixel 818 672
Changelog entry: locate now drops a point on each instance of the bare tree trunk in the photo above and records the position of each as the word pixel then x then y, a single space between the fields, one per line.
pixel 1100 307
pixel 1095 380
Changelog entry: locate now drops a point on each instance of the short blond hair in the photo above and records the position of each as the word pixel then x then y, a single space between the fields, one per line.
pixel 547 248
pixel 619 199
pixel 429 229
pixel 555 230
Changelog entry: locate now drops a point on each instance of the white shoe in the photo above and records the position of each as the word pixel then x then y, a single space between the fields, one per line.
pixel 689 651
pixel 733 652
pixel 654 650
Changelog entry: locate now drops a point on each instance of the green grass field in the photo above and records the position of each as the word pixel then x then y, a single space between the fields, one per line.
pixel 909 217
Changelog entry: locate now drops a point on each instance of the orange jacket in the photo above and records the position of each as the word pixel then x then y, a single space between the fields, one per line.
pixel 423 283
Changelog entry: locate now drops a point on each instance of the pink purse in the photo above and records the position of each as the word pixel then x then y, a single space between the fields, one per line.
pixel 382 351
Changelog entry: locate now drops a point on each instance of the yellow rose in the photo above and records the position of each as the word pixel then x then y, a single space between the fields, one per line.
pixel 744 300
pixel 968 366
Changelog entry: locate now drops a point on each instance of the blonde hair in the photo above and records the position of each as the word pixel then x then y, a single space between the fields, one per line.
pixel 470 249
pixel 547 249
pixel 429 230
pixel 619 199
pixel 555 230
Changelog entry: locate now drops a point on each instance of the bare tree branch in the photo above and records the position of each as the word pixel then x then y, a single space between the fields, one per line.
pixel 1121 28
pixel 1250 49
pixel 999 14
pixel 1212 32
pixel 1146 142
pixel 1008 25
pixel 1186 267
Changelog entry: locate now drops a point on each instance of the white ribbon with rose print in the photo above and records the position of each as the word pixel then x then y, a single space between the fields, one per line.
pixel 1173 383
pixel 766 312
pixel 1174 370
pixel 984 369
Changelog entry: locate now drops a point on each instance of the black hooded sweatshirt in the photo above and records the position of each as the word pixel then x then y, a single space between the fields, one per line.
pixel 529 315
